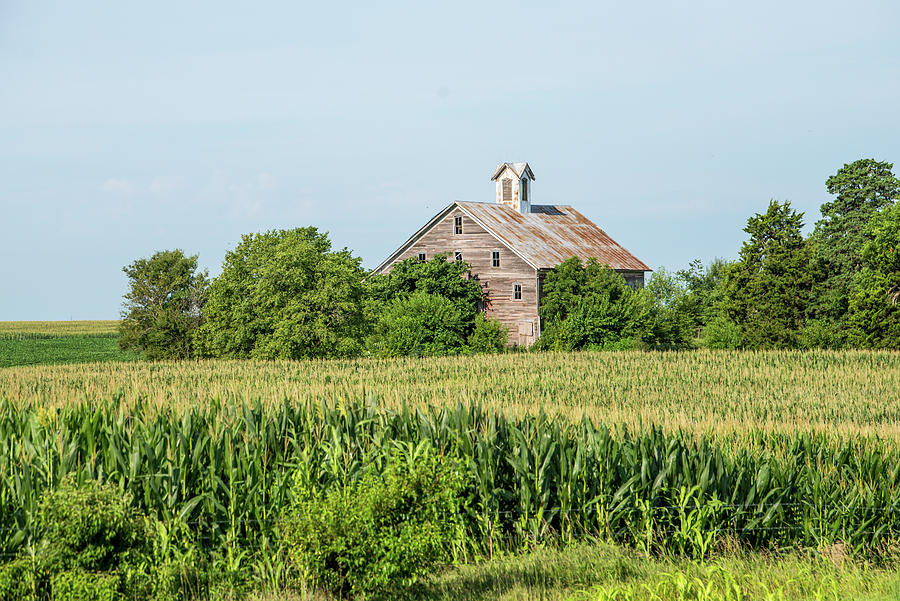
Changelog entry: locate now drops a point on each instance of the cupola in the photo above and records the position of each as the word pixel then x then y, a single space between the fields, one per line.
pixel 514 185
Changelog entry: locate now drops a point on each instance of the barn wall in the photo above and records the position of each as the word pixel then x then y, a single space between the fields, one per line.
pixel 476 245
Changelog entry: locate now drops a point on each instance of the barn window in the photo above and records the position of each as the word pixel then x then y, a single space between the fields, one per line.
pixel 524 190
pixel 517 291
pixel 507 189
pixel 457 255
pixel 457 225
pixel 495 258
pixel 421 257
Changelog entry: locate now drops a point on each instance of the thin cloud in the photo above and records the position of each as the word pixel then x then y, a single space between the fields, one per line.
pixel 116 186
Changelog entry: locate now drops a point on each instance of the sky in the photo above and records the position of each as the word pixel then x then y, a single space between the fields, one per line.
pixel 128 128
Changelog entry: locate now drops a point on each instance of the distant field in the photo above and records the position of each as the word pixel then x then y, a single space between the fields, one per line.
pixel 49 342
pixel 60 328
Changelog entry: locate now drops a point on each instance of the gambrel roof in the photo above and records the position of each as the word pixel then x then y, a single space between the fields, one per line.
pixel 544 238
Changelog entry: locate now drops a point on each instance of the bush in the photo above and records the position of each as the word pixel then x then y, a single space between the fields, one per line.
pixel 489 335
pixel 75 585
pixel 91 528
pixel 375 535
pixel 17 580
pixel 420 324
pixel 590 306
pixel 722 333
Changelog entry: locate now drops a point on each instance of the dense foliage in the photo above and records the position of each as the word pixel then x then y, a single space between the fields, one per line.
pixel 874 312
pixel 861 189
pixel 162 307
pixel 767 290
pixel 379 533
pixel 285 294
pixel 590 306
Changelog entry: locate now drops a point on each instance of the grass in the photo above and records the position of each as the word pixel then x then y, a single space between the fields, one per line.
pixel 55 342
pixel 602 572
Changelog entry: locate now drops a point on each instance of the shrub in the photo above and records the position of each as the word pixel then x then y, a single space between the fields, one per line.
pixel 489 335
pixel 590 306
pixel 75 585
pixel 722 333
pixel 17 580
pixel 377 534
pixel 91 528
pixel 420 324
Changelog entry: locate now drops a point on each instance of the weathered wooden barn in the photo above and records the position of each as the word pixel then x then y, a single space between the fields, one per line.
pixel 512 243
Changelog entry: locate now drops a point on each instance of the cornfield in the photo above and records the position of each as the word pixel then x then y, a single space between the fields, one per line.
pixel 661 451
pixel 223 473
pixel 826 392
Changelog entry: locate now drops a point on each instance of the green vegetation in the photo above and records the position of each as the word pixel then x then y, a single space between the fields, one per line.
pixel 162 306
pixel 43 349
pixel 765 293
pixel 222 480
pixel 285 294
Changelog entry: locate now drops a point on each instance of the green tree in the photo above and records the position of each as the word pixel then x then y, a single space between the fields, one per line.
pixel 766 292
pixel 670 325
pixel 452 280
pixel 874 312
pixel 162 307
pixel 488 335
pixel 590 305
pixel 703 292
pixel 862 189
pixel 420 324
pixel 285 294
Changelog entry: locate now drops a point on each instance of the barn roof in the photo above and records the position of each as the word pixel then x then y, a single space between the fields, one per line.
pixel 544 238
pixel 550 234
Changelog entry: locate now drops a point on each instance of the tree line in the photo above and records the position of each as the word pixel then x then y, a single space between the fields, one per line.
pixel 287 294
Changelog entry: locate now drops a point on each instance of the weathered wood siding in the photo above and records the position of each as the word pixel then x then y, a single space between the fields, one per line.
pixel 477 246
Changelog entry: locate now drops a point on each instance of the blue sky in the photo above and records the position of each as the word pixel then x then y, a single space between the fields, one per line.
pixel 127 128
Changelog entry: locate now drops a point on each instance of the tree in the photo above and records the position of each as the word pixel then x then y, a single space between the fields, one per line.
pixel 874 311
pixel 862 189
pixel 766 292
pixel 670 325
pixel 162 307
pixel 420 324
pixel 449 279
pixel 590 305
pixel 703 292
pixel 285 294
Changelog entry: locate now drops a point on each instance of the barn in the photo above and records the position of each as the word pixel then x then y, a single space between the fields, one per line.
pixel 512 243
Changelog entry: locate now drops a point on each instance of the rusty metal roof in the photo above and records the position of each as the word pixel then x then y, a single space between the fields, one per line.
pixel 550 234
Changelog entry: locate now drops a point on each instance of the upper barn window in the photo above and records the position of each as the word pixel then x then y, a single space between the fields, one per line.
pixel 495 258
pixel 524 190
pixel 517 291
pixel 457 225
pixel 421 257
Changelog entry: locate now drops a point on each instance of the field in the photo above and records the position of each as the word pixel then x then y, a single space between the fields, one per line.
pixel 728 392
pixel 49 342
pixel 614 475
